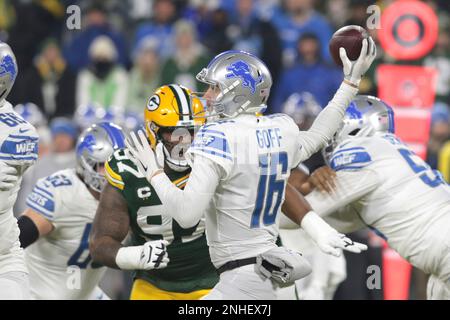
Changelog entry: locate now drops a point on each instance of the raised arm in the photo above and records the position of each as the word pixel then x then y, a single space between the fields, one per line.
pixel 329 120
pixel 298 210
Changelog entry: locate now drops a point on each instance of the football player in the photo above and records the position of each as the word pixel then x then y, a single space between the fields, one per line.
pixel 18 151
pixel 382 184
pixel 56 225
pixel 240 167
pixel 129 202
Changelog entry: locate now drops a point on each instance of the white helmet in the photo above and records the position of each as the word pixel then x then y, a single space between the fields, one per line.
pixel 8 70
pixel 365 116
pixel 244 82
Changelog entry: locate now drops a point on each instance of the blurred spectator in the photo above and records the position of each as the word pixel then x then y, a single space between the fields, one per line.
pixel 103 82
pixel 7 18
pixel 35 20
pixel 303 108
pixel 440 59
pixel 438 154
pixel 338 11
pixel 144 77
pixel 140 9
pixel 64 134
pixel 53 84
pixel 87 114
pixel 187 60
pixel 310 74
pixel 357 12
pixel 296 17
pixel 198 11
pixel 96 24
pixel 160 27
pixel 216 39
pixel 31 113
pixel 252 34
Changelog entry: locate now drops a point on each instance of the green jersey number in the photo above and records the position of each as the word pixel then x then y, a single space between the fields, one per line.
pixel 156 226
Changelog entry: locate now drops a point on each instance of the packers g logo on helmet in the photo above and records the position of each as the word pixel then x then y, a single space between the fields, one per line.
pixel 153 102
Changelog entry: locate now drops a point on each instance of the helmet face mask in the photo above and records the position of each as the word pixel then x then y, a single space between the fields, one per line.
pixel 172 115
pixel 243 83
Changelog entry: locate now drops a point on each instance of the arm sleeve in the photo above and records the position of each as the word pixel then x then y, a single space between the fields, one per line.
pixel 327 122
pixel 188 206
pixel 350 186
pixel 29 233
pixel 46 197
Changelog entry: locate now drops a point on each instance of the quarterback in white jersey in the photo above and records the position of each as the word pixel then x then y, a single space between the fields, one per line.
pixel 56 225
pixel 239 173
pixel 381 184
pixel 18 151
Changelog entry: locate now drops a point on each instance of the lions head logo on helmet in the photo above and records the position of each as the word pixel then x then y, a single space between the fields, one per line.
pixel 95 145
pixel 239 83
pixel 8 70
pixel 242 70
pixel 7 66
pixel 171 116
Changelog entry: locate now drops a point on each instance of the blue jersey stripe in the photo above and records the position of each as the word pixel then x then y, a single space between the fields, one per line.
pixel 212 152
pixel 44 191
pixel 18 158
pixel 39 209
pixel 350 149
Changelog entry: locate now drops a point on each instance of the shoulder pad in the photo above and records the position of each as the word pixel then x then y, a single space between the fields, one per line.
pixel 211 141
pixel 349 157
pixel 119 169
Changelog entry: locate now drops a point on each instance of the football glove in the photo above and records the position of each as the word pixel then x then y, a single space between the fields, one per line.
pixel 142 155
pixel 327 238
pixel 354 70
pixel 151 255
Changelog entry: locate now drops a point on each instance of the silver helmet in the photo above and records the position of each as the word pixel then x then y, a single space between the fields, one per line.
pixel 94 147
pixel 8 70
pixel 243 81
pixel 365 116
pixel 31 113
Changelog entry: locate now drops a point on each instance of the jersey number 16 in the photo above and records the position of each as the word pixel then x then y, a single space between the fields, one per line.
pixel 268 186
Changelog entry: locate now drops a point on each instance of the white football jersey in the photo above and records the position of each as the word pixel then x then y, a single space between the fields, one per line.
pixel 59 263
pixel 256 155
pixel 18 148
pixel 393 191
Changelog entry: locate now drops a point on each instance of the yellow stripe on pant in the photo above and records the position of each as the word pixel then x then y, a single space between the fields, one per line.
pixel 143 290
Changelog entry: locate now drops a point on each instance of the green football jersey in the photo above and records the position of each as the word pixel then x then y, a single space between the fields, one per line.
pixel 190 267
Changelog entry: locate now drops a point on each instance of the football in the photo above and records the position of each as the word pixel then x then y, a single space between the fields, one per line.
pixel 349 37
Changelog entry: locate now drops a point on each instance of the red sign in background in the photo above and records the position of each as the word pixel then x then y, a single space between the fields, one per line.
pixel 409 29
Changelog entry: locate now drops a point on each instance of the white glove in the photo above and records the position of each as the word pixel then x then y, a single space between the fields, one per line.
pixel 8 176
pixel 354 70
pixel 327 238
pixel 151 255
pixel 142 155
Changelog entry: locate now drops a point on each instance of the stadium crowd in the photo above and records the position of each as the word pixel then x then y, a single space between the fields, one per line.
pixel 124 50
